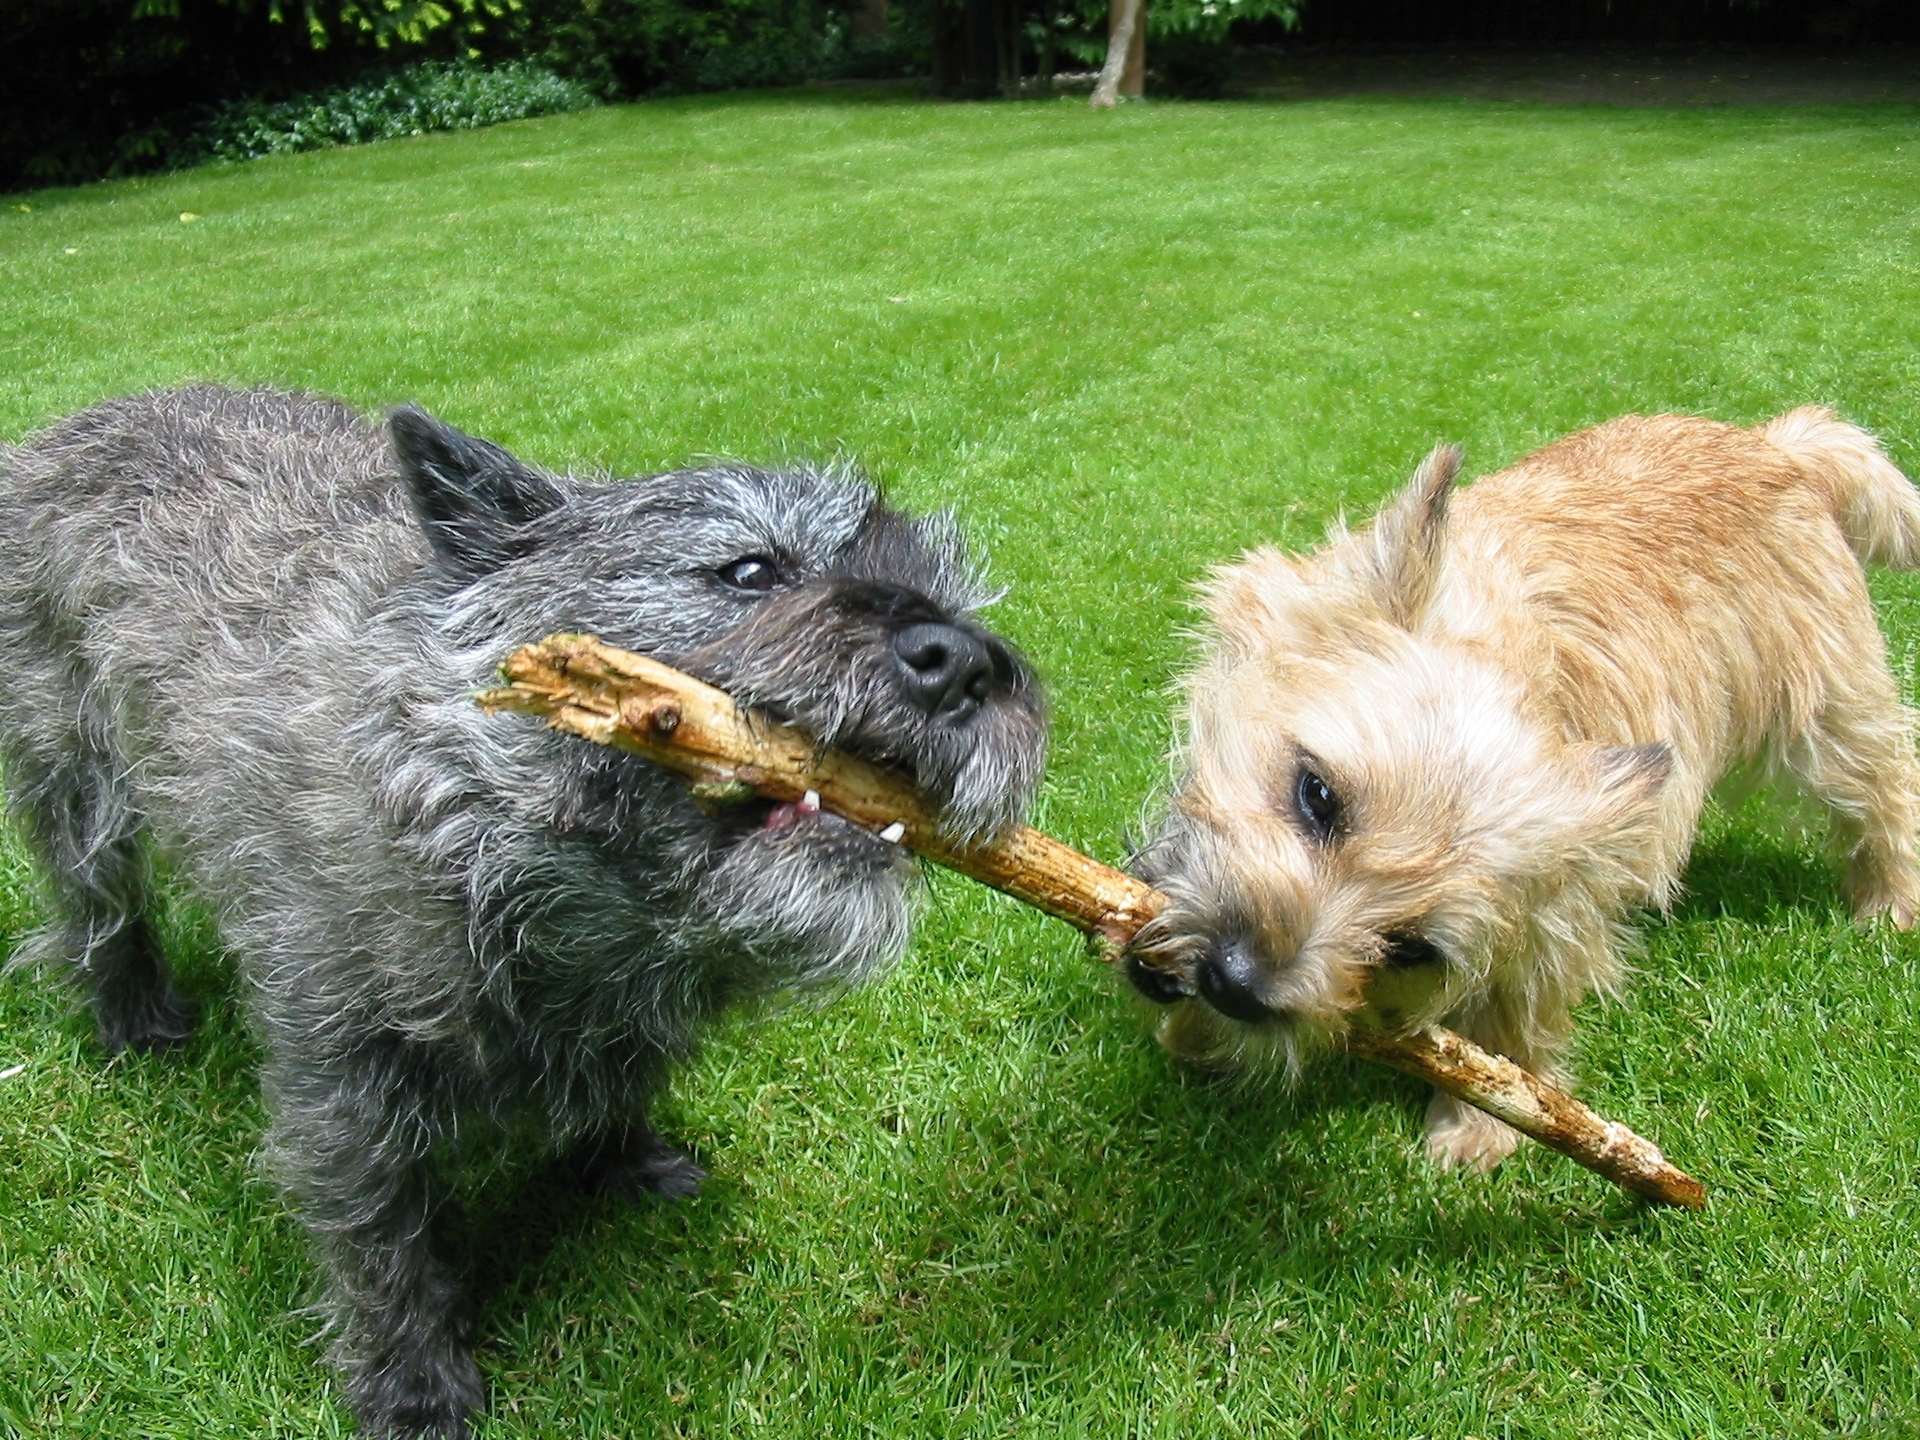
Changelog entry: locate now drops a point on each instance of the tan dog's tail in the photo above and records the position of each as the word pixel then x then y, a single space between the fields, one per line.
pixel 1877 506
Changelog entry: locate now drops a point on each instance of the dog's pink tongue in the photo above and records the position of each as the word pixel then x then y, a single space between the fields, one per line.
pixel 782 816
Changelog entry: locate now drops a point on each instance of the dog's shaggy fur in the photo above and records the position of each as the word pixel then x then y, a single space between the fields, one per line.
pixel 240 631
pixel 1431 768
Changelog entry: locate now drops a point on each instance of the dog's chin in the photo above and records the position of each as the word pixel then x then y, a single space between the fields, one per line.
pixel 1280 1042
pixel 985 782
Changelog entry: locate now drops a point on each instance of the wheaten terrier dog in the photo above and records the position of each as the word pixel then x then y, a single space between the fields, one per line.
pixel 1431 768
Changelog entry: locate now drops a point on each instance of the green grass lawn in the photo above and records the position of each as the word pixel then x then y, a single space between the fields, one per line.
pixel 976 1200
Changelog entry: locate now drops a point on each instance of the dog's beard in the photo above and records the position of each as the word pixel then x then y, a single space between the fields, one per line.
pixel 805 897
pixel 812 900
pixel 1196 1033
pixel 993 779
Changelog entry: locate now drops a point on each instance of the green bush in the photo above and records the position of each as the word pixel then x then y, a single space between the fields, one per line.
pixel 644 47
pixel 1190 64
pixel 425 96
pixel 113 87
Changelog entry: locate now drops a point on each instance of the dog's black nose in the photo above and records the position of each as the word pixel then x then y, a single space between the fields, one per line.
pixel 949 673
pixel 1225 979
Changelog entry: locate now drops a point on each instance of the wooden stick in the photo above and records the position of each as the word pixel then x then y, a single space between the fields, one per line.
pixel 614 697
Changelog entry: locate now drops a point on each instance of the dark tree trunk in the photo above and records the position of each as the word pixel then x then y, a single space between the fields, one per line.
pixel 870 20
pixel 949 49
pixel 966 61
pixel 983 55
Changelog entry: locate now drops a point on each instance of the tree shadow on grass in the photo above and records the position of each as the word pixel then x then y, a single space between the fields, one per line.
pixel 1639 77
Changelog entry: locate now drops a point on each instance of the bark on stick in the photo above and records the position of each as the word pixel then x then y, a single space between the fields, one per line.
pixel 614 697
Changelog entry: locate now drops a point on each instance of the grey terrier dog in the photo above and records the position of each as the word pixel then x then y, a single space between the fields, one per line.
pixel 239 633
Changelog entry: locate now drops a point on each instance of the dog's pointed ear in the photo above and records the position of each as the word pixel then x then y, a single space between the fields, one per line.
pixel 1612 815
pixel 473 499
pixel 1631 772
pixel 1407 536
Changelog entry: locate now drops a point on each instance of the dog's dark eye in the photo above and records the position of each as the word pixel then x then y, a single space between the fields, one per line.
pixel 1405 950
pixel 755 572
pixel 1319 807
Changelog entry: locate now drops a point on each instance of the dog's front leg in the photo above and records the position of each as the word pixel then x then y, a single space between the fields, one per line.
pixel 357 1164
pixel 1465 1137
pixel 1460 1136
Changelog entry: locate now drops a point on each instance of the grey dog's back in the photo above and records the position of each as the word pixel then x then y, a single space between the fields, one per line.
pixel 163 542
pixel 197 504
pixel 170 560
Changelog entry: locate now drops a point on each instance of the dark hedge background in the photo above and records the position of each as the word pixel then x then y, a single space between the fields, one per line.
pixel 103 87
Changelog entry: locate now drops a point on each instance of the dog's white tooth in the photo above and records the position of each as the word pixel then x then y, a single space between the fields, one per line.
pixel 810 800
pixel 893 833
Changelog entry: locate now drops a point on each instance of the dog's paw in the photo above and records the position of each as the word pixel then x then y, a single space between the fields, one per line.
pixel 157 1021
pixel 1898 912
pixel 1898 905
pixel 667 1173
pixel 1883 885
pixel 414 1395
pixel 1461 1137
pixel 633 1166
